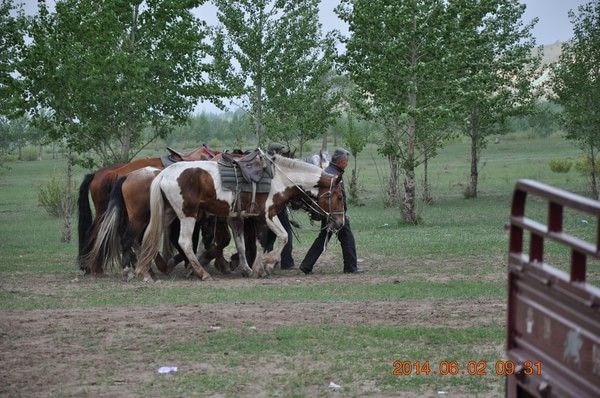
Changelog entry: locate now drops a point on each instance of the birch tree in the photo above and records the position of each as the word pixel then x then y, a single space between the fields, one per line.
pixel 576 86
pixel 106 70
pixel 493 66
pixel 277 53
pixel 12 24
pixel 395 54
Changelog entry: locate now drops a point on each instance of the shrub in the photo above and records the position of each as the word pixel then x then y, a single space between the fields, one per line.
pixel 215 143
pixel 560 165
pixel 30 153
pixel 53 197
pixel 584 165
pixel 8 157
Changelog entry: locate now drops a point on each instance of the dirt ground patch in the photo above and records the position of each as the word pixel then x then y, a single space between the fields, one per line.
pixel 326 272
pixel 61 352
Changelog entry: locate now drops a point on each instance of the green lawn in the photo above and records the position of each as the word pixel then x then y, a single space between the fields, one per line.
pixel 456 255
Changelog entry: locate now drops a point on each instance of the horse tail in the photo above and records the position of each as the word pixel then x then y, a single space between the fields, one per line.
pixel 85 218
pixel 153 233
pixel 107 244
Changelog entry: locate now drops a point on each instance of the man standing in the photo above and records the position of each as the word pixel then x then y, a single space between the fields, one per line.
pixel 338 164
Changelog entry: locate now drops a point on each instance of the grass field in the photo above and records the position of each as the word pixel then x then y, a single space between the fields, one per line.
pixel 431 292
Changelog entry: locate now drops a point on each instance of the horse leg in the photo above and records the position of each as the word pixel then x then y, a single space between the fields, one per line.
pixel 129 260
pixel 202 248
pixel 258 269
pixel 173 239
pixel 186 231
pixel 159 259
pixel 216 236
pixel 237 226
pixel 161 264
pixel 274 256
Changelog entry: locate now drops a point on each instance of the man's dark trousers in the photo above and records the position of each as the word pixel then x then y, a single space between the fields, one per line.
pixel 346 239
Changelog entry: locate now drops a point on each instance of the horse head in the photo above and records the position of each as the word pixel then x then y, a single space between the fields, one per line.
pixel 318 192
pixel 331 199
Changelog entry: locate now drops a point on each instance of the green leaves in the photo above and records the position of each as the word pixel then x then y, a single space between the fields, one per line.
pixel 576 84
pixel 12 24
pixel 106 70
pixel 271 54
pixel 494 67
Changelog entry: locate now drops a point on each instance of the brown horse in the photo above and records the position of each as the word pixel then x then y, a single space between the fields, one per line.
pixel 191 191
pixel 99 184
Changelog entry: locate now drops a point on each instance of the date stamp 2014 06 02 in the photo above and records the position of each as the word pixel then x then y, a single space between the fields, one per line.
pixel 471 368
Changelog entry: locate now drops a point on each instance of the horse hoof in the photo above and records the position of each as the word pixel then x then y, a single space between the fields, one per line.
pixel 148 278
pixel 128 274
pixel 206 277
pixel 170 267
pixel 234 262
pixel 269 269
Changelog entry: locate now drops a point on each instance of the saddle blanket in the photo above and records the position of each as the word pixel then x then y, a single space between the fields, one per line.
pixel 232 179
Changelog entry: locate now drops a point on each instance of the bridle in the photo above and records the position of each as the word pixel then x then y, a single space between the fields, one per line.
pixel 329 194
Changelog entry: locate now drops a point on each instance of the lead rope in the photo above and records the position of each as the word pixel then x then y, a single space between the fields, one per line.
pixel 327 234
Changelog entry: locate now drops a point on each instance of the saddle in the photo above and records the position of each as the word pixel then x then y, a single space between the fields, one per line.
pixel 175 156
pixel 251 165
pixel 249 173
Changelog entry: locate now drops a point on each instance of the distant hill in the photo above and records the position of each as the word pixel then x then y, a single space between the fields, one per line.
pixel 551 52
pixel 551 55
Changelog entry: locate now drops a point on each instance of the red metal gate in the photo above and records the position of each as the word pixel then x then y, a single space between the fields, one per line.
pixel 553 335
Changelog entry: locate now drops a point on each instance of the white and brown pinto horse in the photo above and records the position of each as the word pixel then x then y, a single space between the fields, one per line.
pixel 192 190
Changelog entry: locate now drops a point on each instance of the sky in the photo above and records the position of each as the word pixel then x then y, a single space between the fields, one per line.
pixel 553 22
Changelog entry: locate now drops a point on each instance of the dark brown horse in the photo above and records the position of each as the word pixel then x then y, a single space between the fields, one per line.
pixel 191 191
pixel 99 184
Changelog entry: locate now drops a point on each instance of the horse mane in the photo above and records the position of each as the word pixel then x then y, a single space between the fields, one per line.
pixel 296 164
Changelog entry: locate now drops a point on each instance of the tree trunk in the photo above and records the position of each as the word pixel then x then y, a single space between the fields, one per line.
pixel 258 122
pixel 393 198
pixel 475 145
pixel 594 175
pixel 301 142
pixel 354 183
pixel 408 209
pixel 426 187
pixel 324 142
pixel 67 205
pixel 126 145
pixel 127 136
